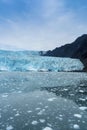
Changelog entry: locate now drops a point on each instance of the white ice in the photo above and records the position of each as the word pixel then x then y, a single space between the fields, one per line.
pixel 51 99
pixel 42 120
pixel 9 127
pixel 34 123
pixel 83 108
pixel 47 128
pixel 76 126
pixel 78 115
pixel 31 61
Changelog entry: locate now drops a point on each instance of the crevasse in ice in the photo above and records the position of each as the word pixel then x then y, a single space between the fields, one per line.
pixel 32 61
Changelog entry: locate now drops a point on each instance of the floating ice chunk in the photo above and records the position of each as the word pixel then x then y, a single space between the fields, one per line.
pixel 42 120
pixel 46 106
pixel 83 108
pixel 14 109
pixel 82 99
pixel 41 112
pixel 51 99
pixel 65 89
pixel 9 127
pixel 19 91
pixel 49 125
pixel 37 108
pixel 11 118
pixel 34 123
pixel 75 126
pixel 78 115
pixel 81 91
pixel 81 85
pixel 60 115
pixel 47 128
pixel 26 124
pixel 5 95
pixel 29 111
pixel 17 114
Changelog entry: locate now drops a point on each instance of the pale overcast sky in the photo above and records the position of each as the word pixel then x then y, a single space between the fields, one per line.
pixel 41 24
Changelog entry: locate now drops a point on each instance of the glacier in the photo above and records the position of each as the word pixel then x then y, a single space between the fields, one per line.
pixel 14 53
pixel 33 61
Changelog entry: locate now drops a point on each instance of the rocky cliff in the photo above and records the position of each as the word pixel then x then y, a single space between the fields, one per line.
pixel 77 49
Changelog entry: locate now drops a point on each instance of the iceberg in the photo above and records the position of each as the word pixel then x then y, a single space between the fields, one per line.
pixel 32 61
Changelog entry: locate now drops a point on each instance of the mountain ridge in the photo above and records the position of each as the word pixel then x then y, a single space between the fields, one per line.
pixel 76 49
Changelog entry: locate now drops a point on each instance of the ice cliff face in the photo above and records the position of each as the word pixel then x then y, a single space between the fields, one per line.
pixel 32 61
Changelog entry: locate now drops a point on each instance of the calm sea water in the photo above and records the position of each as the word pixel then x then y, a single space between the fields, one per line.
pixel 43 101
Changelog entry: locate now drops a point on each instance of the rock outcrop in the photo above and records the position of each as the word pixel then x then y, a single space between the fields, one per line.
pixel 77 49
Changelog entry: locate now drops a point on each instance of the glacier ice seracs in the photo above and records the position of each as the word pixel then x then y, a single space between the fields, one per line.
pixel 32 61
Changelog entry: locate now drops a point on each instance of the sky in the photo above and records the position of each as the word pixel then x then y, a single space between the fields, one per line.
pixel 41 24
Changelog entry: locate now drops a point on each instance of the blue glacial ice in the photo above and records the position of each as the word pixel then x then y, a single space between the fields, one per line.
pixel 32 61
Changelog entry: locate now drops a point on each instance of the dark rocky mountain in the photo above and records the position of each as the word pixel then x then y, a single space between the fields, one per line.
pixel 77 49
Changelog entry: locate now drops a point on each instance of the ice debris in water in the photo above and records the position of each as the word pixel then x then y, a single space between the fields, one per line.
pixel 34 123
pixel 81 91
pixel 17 114
pixel 83 108
pixel 47 128
pixel 11 118
pixel 51 99
pixel 9 127
pixel 41 112
pixel 42 120
pixel 5 95
pixel 29 111
pixel 76 126
pixel 37 108
pixel 78 115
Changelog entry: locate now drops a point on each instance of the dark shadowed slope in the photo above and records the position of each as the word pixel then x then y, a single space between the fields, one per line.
pixel 77 49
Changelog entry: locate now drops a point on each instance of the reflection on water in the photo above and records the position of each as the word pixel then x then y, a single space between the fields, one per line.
pixel 37 110
pixel 26 106
pixel 77 94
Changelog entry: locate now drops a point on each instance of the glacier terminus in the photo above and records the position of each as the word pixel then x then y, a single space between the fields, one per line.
pixel 32 61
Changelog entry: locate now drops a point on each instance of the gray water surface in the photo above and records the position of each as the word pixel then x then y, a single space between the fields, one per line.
pixel 43 101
